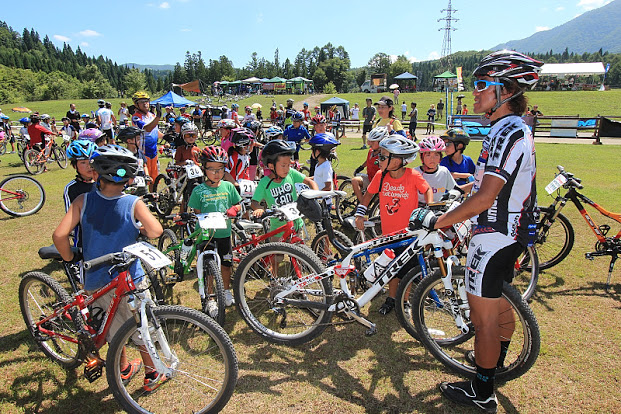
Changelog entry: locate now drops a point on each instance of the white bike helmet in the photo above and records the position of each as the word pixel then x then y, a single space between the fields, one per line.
pixel 378 134
pixel 400 147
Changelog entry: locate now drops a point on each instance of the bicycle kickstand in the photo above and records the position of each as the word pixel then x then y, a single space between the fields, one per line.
pixel 610 269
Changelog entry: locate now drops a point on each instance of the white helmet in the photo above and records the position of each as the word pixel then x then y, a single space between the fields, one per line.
pixel 401 147
pixel 378 134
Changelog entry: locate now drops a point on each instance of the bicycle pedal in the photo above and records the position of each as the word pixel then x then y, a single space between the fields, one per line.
pixel 93 368
pixel 589 256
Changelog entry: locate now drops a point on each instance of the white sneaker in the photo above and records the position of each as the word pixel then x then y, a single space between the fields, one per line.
pixel 212 308
pixel 228 298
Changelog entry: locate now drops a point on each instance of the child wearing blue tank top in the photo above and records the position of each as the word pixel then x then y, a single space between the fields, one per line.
pixel 110 221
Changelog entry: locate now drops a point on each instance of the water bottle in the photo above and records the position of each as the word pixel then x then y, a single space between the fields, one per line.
pixel 185 249
pixel 378 266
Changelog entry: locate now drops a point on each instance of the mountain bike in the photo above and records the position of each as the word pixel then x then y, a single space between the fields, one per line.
pixel 170 188
pixel 554 242
pixel 196 245
pixel 36 160
pixel 194 357
pixel 21 195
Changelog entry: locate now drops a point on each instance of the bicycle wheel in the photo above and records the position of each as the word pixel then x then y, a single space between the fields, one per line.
pixel 21 148
pixel 325 251
pixel 197 350
pixel 209 139
pixel 39 295
pixel 435 323
pixel 526 273
pixel 32 162
pixel 270 269
pixel 165 201
pixel 60 157
pixel 214 289
pixel 554 240
pixel 403 300
pixel 346 206
pixel 21 195
pixel 168 275
pixel 3 147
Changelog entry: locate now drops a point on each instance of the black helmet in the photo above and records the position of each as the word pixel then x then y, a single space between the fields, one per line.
pixel 273 149
pixel 114 163
pixel 456 135
pixel 129 132
pixel 510 65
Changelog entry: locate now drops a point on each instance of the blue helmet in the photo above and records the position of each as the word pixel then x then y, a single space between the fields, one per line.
pixel 24 120
pixel 273 132
pixel 298 116
pixel 181 120
pixel 5 117
pixel 80 149
pixel 324 140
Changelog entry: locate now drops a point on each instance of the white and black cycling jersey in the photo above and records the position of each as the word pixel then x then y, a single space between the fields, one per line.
pixel 508 152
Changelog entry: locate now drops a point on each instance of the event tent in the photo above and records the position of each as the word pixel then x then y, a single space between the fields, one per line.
pixel 406 75
pixel 573 69
pixel 446 75
pixel 341 104
pixel 173 99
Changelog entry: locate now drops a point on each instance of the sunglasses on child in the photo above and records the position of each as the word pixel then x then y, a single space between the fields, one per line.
pixel 383 157
pixel 480 85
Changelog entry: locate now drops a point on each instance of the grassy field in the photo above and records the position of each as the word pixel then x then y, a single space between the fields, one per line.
pixel 584 103
pixel 344 371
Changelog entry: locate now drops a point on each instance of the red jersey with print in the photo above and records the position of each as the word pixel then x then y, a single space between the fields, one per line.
pixel 239 166
pixel 397 198
pixel 36 133
pixel 372 163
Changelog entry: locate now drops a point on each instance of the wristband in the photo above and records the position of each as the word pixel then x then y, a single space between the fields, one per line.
pixel 361 211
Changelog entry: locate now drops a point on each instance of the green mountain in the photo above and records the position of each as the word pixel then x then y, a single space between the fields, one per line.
pixel 152 67
pixel 594 30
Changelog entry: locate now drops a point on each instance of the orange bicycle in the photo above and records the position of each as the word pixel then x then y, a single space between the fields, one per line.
pixel 36 160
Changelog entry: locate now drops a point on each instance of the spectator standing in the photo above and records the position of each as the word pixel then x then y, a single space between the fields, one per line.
pixel 431 117
pixel 355 115
pixel 197 115
pixel 207 119
pixel 369 117
pixel 74 116
pixel 458 108
pixel 123 114
pixel 465 110
pixel 440 108
pixel 413 120
pixel 148 121
pixel 306 112
pixel 404 110
pixel 396 93
pixel 385 110
pixel 106 120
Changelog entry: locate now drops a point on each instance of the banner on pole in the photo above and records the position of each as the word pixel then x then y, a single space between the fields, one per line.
pixel 460 80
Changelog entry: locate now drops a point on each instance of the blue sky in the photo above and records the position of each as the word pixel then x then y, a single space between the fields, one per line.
pixel 160 32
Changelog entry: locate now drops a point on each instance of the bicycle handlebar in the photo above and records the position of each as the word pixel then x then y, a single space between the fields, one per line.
pixel 112 258
pixel 571 180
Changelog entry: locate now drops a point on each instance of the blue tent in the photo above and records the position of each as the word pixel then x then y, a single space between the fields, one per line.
pixel 173 99
pixel 341 104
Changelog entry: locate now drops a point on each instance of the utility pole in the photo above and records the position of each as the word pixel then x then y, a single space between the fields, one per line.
pixel 445 58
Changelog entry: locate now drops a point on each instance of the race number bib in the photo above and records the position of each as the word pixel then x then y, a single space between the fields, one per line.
pixel 140 182
pixel 212 221
pixel 555 184
pixel 291 211
pixel 193 171
pixel 246 188
pixel 148 254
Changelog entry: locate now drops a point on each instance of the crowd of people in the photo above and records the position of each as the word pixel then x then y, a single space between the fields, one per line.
pixel 502 200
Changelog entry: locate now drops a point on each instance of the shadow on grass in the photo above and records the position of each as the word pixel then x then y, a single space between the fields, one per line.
pixel 324 364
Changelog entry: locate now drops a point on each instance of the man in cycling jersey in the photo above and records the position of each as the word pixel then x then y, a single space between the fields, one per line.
pixel 503 208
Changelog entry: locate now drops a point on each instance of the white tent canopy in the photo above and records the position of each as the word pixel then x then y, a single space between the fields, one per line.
pixel 575 69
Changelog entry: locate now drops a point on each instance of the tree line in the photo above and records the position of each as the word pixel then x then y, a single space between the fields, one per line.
pixel 33 69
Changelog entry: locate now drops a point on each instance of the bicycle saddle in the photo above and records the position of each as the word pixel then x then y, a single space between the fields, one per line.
pixel 315 194
pixel 50 252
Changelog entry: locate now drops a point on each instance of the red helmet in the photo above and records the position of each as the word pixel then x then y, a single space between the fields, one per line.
pixel 318 119
pixel 213 153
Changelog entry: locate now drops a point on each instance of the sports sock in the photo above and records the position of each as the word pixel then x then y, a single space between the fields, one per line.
pixel 504 347
pixel 484 382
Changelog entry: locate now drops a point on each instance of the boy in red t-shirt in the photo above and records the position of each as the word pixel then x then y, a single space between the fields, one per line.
pixel 359 183
pixel 398 189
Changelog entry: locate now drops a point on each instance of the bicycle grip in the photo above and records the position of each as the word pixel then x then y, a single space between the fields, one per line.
pixel 560 168
pixel 98 261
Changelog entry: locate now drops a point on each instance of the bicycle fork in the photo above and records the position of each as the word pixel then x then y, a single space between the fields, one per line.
pixel 200 272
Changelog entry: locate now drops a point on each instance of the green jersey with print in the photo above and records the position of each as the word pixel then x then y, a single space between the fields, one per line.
pixel 215 199
pixel 278 194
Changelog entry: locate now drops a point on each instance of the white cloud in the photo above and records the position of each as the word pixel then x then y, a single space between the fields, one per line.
pixel 89 33
pixel 84 44
pixel 541 28
pixel 592 4
pixel 164 5
pixel 185 30
pixel 433 55
pixel 260 18
pixel 559 8
pixel 61 38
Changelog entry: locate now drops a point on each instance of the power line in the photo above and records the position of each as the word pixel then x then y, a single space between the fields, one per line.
pixel 445 57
